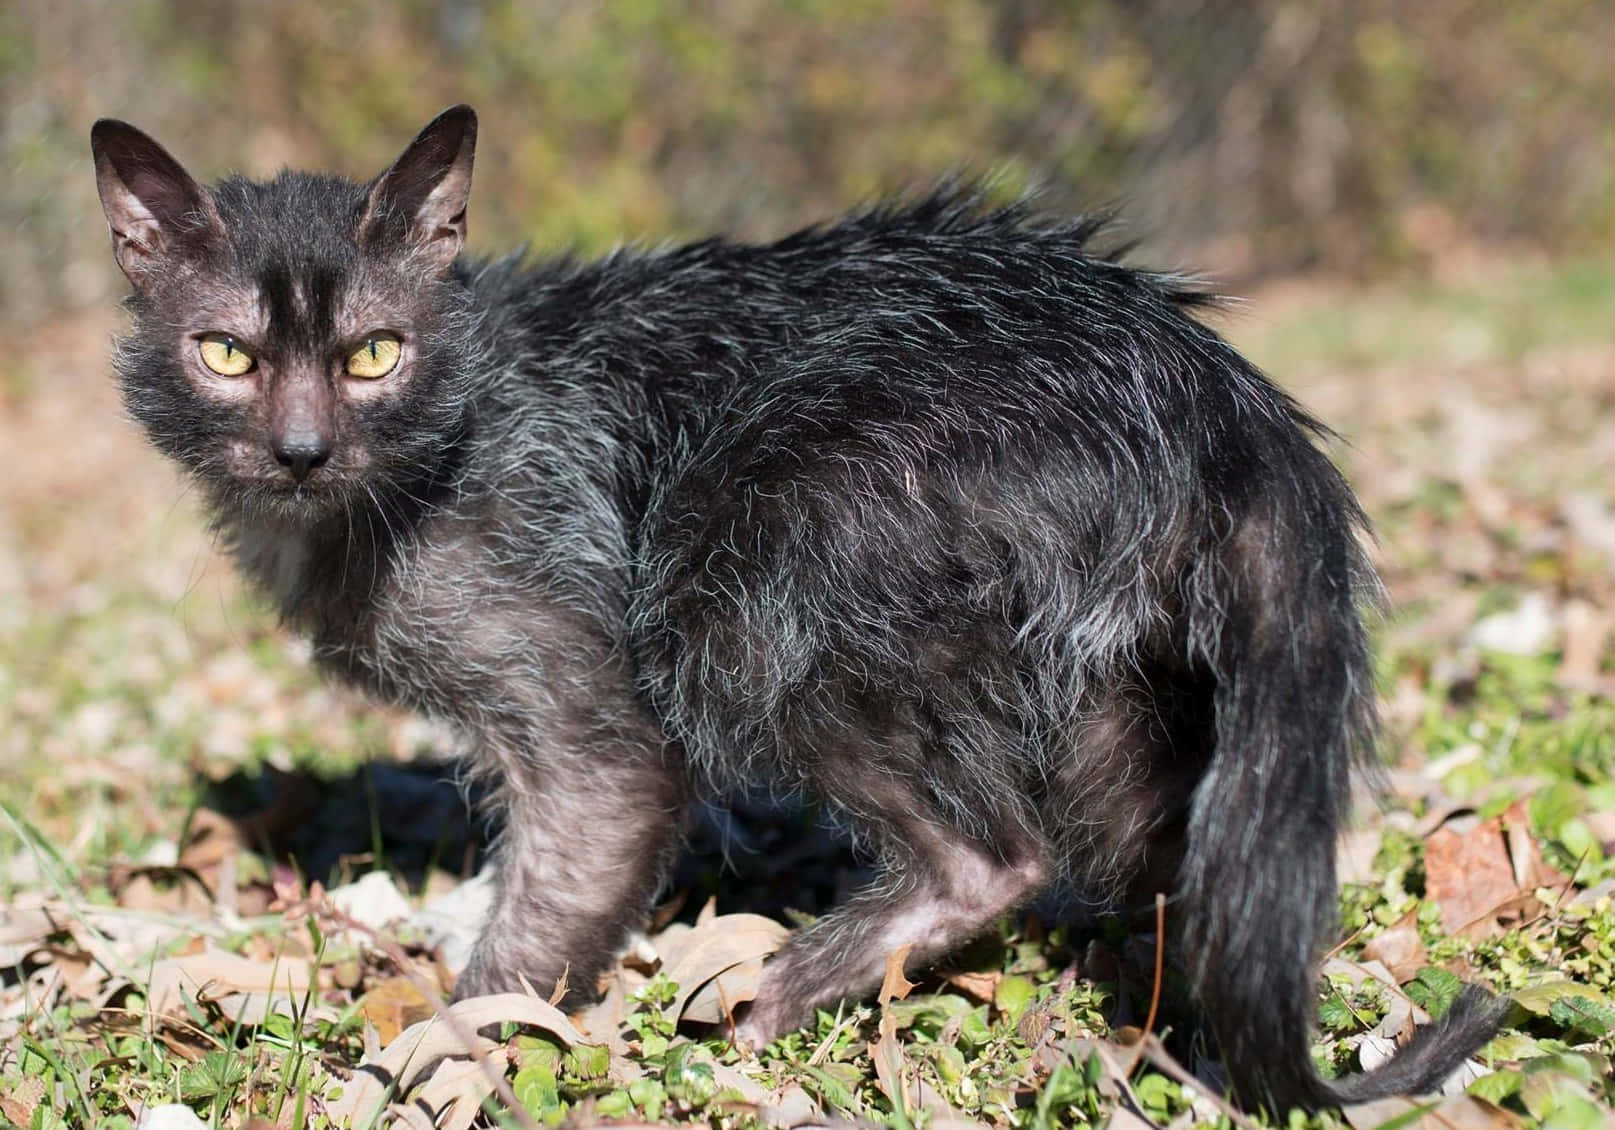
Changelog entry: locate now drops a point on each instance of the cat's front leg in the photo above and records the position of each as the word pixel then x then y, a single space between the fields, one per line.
pixel 588 839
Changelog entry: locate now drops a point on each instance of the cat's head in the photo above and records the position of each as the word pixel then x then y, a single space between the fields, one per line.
pixel 301 344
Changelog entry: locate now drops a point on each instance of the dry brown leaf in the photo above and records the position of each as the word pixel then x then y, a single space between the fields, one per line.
pixel 1461 1112
pixel 422 1045
pixel 1585 630
pixel 558 993
pixel 1525 854
pixel 941 1112
pixel 981 986
pixel 23 930
pixel 393 1005
pixel 81 977
pixel 791 1105
pixel 1469 875
pixel 727 949
pixel 714 1002
pixel 602 1021
pixel 455 1092
pixel 410 1115
pixel 894 986
pixel 1399 947
pixel 891 1070
pixel 1124 1119
pixel 184 893
pixel 253 1009
pixel 185 1041
pixel 211 838
pixel 749 1089
pixel 24 1099
pixel 213 973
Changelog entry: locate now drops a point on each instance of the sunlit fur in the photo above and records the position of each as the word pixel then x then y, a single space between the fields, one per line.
pixel 934 514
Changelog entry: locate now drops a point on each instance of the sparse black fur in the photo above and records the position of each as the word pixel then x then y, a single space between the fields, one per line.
pixel 934 513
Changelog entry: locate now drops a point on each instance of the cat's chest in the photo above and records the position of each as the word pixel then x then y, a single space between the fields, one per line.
pixel 456 628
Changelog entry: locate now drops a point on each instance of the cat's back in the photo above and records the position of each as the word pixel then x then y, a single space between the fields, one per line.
pixel 947 268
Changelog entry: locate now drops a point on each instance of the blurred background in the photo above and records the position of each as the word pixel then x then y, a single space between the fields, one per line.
pixel 1418 199
pixel 1246 137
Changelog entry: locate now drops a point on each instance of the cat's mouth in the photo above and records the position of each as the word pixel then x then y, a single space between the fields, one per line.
pixel 259 476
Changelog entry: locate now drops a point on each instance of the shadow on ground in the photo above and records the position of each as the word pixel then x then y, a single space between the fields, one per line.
pixel 754 855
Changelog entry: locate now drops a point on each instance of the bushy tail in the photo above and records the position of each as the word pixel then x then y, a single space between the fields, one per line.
pixel 1275 612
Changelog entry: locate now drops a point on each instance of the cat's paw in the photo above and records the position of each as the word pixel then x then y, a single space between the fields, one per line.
pixel 763 1021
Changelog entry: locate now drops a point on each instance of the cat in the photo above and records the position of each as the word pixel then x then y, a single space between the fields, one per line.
pixel 935 514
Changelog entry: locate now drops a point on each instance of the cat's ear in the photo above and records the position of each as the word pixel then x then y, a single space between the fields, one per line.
pixel 428 187
pixel 153 206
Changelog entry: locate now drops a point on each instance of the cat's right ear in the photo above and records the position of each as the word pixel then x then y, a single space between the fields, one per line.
pixel 423 197
pixel 152 204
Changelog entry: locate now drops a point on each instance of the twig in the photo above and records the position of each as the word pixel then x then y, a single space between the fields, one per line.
pixel 1160 955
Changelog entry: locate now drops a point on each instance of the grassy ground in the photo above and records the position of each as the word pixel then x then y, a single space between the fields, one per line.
pixel 162 745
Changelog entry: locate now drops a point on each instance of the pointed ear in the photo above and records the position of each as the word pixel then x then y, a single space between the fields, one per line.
pixel 152 205
pixel 423 197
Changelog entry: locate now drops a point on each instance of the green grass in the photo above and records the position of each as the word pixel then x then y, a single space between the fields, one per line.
pixel 1499 315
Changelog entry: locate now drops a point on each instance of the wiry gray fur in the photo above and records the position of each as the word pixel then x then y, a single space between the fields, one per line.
pixel 934 514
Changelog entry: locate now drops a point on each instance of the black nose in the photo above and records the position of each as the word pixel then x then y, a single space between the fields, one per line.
pixel 301 452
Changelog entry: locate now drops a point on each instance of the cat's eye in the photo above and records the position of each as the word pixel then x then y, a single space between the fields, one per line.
pixel 224 355
pixel 377 357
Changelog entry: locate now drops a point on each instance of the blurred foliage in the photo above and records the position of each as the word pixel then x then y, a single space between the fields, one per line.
pixel 1245 136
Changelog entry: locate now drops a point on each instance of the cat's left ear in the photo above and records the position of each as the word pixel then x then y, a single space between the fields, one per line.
pixel 428 187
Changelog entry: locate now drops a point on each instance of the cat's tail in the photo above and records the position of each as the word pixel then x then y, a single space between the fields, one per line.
pixel 1274 605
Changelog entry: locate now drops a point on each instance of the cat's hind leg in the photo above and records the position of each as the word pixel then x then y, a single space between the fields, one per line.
pixel 939 886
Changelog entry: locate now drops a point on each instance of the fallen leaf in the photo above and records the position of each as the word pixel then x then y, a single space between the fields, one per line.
pixel 422 1045
pixel 1525 855
pixel 1399 947
pixel 791 1106
pixel 1469 875
pixel 214 973
pixel 25 1097
pixel 887 1052
pixel 1124 1119
pixel 211 838
pixel 894 986
pixel 1585 630
pixel 714 1002
pixel 185 892
pixel 727 949
pixel 602 1021
pixel 393 1005
pixel 1461 1112
pixel 980 986
pixel 455 1093
pixel 23 930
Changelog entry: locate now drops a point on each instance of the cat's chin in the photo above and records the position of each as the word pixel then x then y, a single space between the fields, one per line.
pixel 277 499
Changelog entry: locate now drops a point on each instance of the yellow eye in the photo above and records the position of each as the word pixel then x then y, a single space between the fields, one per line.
pixel 224 356
pixel 377 357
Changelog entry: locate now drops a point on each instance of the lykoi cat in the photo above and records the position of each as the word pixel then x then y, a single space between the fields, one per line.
pixel 934 513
